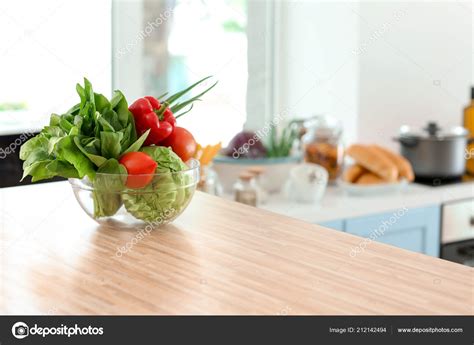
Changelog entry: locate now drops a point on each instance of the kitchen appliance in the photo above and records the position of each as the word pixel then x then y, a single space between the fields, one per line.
pixel 457 232
pixel 435 153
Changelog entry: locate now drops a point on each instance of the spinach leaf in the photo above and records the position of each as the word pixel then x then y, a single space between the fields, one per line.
pixel 137 144
pixel 109 182
pixel 67 150
pixel 96 159
pixel 110 144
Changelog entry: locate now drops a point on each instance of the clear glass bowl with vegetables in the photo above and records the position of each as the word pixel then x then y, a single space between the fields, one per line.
pixel 130 201
pixel 125 163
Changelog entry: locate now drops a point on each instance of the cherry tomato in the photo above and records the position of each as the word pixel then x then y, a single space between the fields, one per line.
pixel 140 168
pixel 181 142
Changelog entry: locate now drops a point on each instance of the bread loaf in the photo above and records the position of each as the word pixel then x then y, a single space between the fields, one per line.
pixel 404 167
pixel 353 173
pixel 374 161
pixel 369 178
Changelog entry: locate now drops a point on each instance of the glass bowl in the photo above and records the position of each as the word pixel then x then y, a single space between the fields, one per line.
pixel 110 202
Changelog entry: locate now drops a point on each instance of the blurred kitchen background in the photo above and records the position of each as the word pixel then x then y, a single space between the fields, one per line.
pixel 360 70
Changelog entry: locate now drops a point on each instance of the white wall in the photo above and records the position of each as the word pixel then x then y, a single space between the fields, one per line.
pixel 376 65
pixel 317 66
pixel 415 66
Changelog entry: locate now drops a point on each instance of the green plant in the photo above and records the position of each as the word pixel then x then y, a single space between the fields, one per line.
pixel 281 142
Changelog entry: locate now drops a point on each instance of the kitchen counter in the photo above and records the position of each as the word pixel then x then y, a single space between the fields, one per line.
pixel 337 204
pixel 219 257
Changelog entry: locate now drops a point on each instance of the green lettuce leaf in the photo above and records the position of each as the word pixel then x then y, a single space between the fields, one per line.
pixel 167 194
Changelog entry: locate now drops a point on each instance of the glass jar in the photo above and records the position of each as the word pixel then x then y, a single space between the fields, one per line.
pixel 209 181
pixel 257 172
pixel 323 145
pixel 246 190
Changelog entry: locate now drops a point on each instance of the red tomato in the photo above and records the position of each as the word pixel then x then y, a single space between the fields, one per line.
pixel 140 168
pixel 181 142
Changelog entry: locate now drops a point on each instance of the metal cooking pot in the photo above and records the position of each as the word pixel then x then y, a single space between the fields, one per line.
pixel 433 152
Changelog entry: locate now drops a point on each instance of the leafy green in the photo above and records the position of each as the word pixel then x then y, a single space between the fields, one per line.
pixel 68 151
pixel 108 184
pixel 96 159
pixel 88 139
pixel 85 137
pixel 138 144
pixel 167 160
pixel 167 194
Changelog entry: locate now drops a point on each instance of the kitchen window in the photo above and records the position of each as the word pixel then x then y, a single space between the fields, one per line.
pixel 41 50
pixel 141 47
pixel 167 45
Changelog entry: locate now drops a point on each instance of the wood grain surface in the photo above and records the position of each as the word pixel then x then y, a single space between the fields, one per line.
pixel 219 257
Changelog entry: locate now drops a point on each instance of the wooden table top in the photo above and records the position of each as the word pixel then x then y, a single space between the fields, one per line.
pixel 219 257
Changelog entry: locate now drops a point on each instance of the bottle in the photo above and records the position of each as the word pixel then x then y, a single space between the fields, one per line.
pixel 209 181
pixel 468 123
pixel 257 172
pixel 245 189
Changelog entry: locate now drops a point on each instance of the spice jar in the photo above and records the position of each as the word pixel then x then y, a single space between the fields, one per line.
pixel 261 192
pixel 245 189
pixel 323 145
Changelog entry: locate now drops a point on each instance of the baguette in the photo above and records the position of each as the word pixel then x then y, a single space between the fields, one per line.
pixel 369 178
pixel 374 161
pixel 404 167
pixel 353 173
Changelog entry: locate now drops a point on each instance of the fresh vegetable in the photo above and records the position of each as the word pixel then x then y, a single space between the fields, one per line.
pixel 250 145
pixel 140 168
pixel 100 141
pixel 152 116
pixel 78 142
pixel 108 183
pixel 82 141
pixel 168 192
pixel 205 155
pixel 246 145
pixel 182 143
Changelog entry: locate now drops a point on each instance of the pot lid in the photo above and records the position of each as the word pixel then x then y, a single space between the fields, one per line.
pixel 433 131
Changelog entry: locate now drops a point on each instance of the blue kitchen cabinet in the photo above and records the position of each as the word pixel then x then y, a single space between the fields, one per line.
pixel 334 224
pixel 416 229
